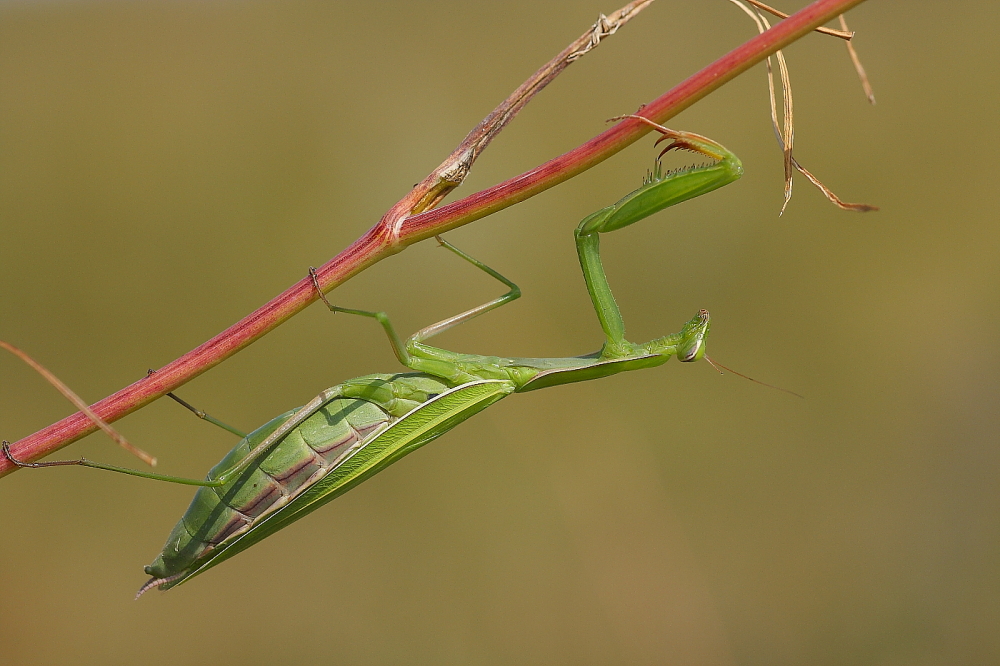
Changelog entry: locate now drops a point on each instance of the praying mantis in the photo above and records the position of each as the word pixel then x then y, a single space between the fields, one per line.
pixel 306 457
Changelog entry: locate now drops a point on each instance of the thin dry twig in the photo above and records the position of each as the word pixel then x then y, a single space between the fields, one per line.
pixel 865 84
pixel 79 404
pixel 429 192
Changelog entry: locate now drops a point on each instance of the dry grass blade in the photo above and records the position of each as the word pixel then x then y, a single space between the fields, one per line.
pixel 856 207
pixel 785 134
pixel 789 123
pixel 80 404
pixel 844 33
pixel 865 84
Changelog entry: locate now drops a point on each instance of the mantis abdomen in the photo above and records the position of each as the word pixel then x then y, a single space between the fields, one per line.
pixel 356 412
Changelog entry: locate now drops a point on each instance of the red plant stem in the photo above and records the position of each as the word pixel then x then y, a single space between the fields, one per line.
pixel 380 241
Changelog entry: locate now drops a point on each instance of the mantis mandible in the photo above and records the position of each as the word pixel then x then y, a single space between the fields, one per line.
pixel 306 457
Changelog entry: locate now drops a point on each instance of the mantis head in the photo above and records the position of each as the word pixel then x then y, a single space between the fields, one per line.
pixel 691 345
pixel 688 345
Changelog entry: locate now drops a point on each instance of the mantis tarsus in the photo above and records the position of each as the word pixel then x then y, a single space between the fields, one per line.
pixel 306 457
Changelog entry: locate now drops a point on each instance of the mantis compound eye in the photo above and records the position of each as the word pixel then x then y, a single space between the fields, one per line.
pixel 692 348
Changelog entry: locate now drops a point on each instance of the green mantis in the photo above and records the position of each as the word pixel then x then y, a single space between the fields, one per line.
pixel 304 458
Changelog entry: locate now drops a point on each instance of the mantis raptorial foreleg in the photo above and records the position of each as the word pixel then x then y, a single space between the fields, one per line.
pixel 658 192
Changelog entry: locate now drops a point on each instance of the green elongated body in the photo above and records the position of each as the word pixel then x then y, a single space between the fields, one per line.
pixel 356 429
pixel 337 446
pixel 306 457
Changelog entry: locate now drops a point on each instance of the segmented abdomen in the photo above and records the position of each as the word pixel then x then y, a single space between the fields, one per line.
pixel 304 456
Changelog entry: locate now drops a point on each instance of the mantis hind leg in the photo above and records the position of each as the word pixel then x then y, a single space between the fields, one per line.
pixel 201 414
pixel 83 462
pixel 204 416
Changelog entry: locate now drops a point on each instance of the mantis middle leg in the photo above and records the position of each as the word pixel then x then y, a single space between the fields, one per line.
pixel 406 350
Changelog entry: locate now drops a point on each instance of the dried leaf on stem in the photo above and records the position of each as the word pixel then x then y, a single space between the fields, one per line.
pixel 785 134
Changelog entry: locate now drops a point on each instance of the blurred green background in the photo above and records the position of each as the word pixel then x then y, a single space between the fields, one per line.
pixel 167 167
